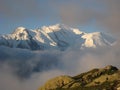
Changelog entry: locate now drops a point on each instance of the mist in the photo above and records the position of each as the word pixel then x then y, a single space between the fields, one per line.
pixel 28 70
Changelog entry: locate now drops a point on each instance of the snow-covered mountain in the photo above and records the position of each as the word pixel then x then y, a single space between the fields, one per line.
pixel 56 36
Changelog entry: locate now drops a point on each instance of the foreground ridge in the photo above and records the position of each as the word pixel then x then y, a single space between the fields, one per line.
pixel 107 78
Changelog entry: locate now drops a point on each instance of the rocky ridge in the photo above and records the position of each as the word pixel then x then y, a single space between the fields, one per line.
pixel 107 78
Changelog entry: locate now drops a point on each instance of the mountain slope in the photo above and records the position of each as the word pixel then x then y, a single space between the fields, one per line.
pixel 54 37
pixel 107 78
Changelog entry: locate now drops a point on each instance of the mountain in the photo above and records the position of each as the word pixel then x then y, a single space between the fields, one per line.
pixel 56 36
pixel 107 78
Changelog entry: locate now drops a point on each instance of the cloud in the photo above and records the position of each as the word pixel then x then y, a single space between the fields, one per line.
pixel 27 70
pixel 9 81
pixel 103 14
pixel 77 61
pixel 25 62
pixel 18 10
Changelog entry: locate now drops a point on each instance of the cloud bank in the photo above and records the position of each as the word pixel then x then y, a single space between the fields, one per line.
pixel 27 70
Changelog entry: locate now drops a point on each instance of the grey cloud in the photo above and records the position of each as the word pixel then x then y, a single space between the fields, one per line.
pixel 9 81
pixel 104 14
pixel 112 19
pixel 40 66
pixel 22 9
pixel 25 62
pixel 27 70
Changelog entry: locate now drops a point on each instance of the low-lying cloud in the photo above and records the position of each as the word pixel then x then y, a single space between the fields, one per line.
pixel 27 70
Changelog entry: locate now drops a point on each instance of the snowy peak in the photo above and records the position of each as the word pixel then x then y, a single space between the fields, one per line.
pixel 21 33
pixel 77 31
pixel 92 40
pixel 60 27
pixel 20 30
pixel 97 39
pixel 57 36
pixel 55 28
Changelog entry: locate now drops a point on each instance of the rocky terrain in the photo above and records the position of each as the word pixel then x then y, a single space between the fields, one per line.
pixel 107 78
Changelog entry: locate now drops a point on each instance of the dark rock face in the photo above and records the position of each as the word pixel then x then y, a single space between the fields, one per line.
pixel 110 67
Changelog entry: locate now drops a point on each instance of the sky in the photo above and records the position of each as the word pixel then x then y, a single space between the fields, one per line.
pixel 87 15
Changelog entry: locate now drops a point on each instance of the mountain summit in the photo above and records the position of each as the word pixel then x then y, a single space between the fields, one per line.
pixel 57 36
